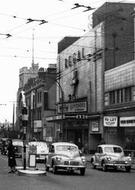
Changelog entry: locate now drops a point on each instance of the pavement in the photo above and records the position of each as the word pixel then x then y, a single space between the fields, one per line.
pixel 30 171
pixel 39 169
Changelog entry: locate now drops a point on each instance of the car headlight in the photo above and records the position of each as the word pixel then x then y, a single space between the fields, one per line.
pixel 129 159
pixel 58 159
pixel 83 159
pixel 108 158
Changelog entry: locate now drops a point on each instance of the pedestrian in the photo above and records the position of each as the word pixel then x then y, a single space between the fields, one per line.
pixel 11 157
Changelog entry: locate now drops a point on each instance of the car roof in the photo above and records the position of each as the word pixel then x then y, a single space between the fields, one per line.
pixel 109 145
pixel 64 143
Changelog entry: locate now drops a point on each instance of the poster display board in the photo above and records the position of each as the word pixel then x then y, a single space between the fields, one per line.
pixel 32 160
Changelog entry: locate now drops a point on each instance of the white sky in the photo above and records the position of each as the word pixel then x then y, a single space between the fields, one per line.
pixel 15 52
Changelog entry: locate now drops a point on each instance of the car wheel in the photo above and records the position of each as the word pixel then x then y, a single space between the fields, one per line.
pixel 128 168
pixel 104 167
pixel 82 171
pixel 92 163
pixel 47 168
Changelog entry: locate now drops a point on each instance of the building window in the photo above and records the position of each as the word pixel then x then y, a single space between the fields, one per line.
pixel 70 61
pixel 39 97
pixel 39 114
pixel 83 56
pixel 66 63
pixel 79 56
pixel 119 96
pixel 74 58
pixel 128 94
pixel 112 97
pixel 122 95
pixel 45 100
pixel 133 93
pixel 106 99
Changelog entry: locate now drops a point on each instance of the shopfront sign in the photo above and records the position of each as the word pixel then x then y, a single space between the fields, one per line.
pixel 37 126
pixel 73 107
pixel 110 121
pixel 95 126
pixel 127 121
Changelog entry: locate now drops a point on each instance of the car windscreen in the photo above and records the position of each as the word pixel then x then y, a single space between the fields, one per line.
pixel 66 148
pixel 112 149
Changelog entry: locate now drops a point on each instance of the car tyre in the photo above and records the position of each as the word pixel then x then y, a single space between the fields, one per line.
pixel 128 168
pixel 47 168
pixel 82 171
pixel 92 163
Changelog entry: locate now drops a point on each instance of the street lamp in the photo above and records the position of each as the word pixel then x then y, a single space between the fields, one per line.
pixel 62 105
pixel 24 125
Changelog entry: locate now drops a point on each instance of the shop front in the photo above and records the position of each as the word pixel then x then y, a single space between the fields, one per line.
pixel 120 130
pixel 127 125
pixel 72 122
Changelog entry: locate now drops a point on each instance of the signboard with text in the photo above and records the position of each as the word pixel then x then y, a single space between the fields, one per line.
pixel 110 121
pixel 73 107
pixel 127 121
pixel 95 126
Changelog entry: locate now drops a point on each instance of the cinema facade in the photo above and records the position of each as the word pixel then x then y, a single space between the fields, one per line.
pixel 95 84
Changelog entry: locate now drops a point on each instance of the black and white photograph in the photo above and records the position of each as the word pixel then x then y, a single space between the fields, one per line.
pixel 67 94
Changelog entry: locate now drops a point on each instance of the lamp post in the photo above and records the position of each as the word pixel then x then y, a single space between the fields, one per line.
pixel 62 105
pixel 24 123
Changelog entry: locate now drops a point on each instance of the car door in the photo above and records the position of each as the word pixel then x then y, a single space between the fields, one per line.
pixel 98 155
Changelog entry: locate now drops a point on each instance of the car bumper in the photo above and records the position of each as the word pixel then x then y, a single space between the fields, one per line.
pixel 117 165
pixel 70 166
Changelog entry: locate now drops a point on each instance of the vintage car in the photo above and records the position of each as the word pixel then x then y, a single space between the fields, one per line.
pixel 18 145
pixel 4 144
pixel 65 156
pixel 110 156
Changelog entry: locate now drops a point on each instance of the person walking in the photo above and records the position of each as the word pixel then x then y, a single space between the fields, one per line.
pixel 11 157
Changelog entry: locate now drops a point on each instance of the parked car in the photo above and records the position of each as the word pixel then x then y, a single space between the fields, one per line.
pixel 40 149
pixel 110 156
pixel 18 145
pixel 65 156
pixel 4 144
